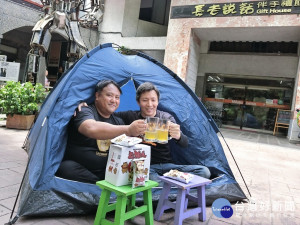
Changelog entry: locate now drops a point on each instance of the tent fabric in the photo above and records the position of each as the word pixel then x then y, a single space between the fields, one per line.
pixel 45 194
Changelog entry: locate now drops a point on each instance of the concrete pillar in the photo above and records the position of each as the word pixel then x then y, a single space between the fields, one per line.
pixel 193 61
pixel 200 85
pixel 121 16
pixel 294 128
pixel 177 48
pixel 131 18
pixel 113 16
pixel 200 82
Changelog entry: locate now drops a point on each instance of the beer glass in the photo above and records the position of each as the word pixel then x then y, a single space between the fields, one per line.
pixel 151 131
pixel 162 131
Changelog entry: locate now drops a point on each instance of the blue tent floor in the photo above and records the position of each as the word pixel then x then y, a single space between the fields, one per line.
pixel 258 159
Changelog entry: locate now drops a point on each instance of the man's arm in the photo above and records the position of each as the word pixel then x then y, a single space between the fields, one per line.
pixel 183 141
pixel 102 131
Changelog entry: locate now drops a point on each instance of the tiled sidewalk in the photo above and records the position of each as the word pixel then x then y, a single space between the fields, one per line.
pixel 271 170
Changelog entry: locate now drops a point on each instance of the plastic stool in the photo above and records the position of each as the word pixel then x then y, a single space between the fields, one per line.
pixel 180 205
pixel 125 197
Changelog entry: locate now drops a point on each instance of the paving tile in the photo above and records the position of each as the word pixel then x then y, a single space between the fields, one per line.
pixel 278 199
pixel 284 219
pixel 214 221
pixel 294 184
pixel 4 210
pixel 77 220
pixel 278 187
pixel 296 211
pixel 13 178
pixel 6 165
pixel 9 191
pixel 9 203
pixel 141 220
pixel 256 218
pixel 40 221
pixel 260 195
pixel 232 220
pixel 20 169
pixel 297 200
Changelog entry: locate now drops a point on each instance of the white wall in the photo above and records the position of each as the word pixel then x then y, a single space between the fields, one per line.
pixel 141 43
pixel 146 29
pixel 158 55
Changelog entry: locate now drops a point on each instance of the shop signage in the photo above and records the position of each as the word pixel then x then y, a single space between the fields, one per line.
pixel 253 8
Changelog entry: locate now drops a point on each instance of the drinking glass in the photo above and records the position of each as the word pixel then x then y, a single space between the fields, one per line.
pixel 151 131
pixel 162 131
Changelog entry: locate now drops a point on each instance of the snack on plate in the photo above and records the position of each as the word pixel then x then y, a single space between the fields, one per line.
pixel 126 141
pixel 180 176
pixel 138 173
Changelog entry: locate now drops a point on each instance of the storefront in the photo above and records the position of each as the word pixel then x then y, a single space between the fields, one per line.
pixel 247 102
pixel 240 57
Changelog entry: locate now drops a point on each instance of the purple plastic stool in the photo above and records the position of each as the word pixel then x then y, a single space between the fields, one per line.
pixel 180 205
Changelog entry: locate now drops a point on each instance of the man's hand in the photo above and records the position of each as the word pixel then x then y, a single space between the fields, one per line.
pixel 174 130
pixel 137 128
pixel 81 104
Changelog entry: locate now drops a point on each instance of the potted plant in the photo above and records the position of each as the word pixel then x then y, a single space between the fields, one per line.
pixel 20 102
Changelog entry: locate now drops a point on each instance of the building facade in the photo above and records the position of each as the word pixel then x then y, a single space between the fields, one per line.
pixel 240 57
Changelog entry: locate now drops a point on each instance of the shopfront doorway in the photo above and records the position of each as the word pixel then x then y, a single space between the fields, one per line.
pixel 247 102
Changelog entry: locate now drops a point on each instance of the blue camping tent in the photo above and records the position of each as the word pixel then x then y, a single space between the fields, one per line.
pixel 45 194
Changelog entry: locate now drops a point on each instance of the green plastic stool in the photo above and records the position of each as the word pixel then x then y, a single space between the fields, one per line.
pixel 126 196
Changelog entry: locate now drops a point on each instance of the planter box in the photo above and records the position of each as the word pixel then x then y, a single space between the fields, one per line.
pixel 22 122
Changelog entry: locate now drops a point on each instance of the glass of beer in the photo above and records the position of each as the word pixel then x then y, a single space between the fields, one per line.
pixel 151 131
pixel 163 131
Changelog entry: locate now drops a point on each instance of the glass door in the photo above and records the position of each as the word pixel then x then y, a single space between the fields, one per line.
pixel 248 102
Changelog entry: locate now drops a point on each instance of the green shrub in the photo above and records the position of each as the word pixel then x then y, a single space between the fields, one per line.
pixel 17 98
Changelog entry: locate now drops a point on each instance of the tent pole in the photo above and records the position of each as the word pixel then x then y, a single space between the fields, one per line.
pixel 236 164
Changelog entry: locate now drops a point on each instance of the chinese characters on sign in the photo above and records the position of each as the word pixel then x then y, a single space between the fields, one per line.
pixel 265 209
pixel 256 8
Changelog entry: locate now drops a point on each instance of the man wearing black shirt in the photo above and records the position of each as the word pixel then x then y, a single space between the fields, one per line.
pixel 90 133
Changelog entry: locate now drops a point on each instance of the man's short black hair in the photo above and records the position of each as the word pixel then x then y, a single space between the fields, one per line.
pixel 145 87
pixel 103 83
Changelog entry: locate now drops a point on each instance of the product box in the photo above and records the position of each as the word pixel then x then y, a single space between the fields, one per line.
pixel 119 163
